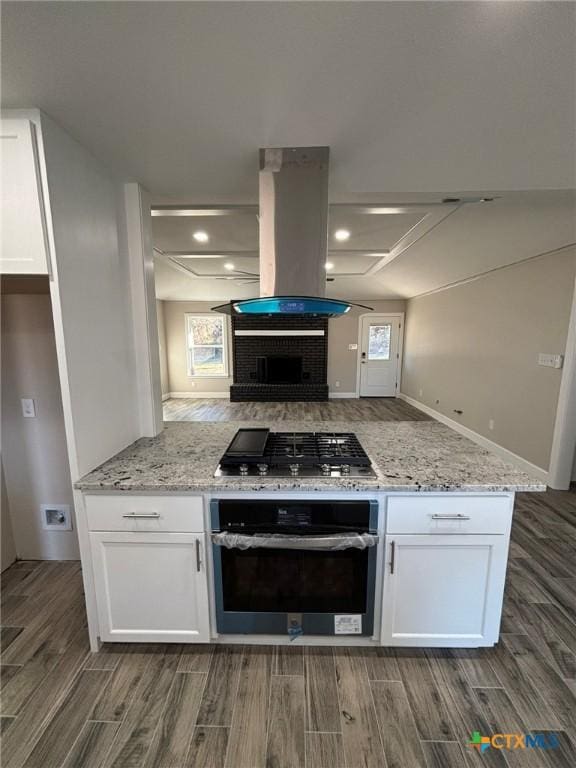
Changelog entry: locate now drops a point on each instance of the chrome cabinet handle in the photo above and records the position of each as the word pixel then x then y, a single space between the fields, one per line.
pixel 142 515
pixel 392 555
pixel 198 561
pixel 450 517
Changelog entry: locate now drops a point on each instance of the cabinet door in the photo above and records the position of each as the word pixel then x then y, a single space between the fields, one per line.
pixel 151 587
pixel 23 243
pixel 443 591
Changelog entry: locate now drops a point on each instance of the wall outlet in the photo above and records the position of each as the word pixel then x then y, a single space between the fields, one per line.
pixel 28 408
pixel 550 361
pixel 56 517
pixel 491 424
pixel 336 383
pixel 420 392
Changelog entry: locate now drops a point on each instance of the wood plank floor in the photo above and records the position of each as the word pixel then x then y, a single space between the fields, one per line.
pixel 364 409
pixel 250 707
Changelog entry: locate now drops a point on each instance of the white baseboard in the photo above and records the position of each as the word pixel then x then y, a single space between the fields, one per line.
pixel 490 445
pixel 201 395
pixel 342 395
pixel 165 397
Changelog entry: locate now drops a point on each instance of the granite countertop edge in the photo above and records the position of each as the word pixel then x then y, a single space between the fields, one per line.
pixel 272 486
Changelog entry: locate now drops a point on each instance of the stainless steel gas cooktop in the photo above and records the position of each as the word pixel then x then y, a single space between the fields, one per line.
pixel 262 453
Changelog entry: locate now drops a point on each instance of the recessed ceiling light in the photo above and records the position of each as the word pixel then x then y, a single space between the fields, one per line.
pixel 201 237
pixel 229 266
pixel 341 235
pixel 329 265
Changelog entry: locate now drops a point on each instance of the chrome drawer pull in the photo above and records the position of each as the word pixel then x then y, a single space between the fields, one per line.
pixel 450 517
pixel 198 561
pixel 392 555
pixel 142 515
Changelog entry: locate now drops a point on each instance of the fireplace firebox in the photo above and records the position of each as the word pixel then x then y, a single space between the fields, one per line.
pixel 279 369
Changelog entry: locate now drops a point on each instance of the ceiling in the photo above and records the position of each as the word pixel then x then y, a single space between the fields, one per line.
pixel 417 100
pixel 232 245
pixel 408 251
pixel 410 96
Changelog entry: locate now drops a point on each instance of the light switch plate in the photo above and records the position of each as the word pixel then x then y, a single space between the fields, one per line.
pixel 28 408
pixel 352 347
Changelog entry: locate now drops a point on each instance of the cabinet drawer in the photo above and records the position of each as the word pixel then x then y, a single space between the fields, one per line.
pixel 453 514
pixel 145 513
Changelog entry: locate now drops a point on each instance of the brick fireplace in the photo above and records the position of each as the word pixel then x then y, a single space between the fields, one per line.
pixel 279 358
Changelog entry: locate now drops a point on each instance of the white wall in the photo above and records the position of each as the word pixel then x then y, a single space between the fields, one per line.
pixel 92 303
pixel 474 348
pixel 7 545
pixel 164 379
pixel 563 453
pixel 34 453
pixel 135 229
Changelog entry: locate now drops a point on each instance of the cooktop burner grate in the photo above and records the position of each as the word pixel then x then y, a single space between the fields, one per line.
pixel 284 447
pixel 305 449
pixel 341 446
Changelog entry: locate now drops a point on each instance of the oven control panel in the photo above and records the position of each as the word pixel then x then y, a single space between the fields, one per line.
pixel 294 516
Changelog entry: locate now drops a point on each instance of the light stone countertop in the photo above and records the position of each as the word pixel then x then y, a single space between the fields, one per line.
pixel 407 456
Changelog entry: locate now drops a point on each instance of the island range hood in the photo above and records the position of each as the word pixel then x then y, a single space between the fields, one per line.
pixel 293 185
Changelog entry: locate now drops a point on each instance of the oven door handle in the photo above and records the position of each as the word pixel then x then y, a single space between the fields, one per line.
pixel 306 543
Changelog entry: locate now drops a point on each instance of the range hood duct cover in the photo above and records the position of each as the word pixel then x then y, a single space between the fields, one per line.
pixel 293 221
pixel 293 183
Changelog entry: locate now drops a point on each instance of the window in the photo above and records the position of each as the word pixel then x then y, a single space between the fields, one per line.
pixel 206 345
pixel 379 342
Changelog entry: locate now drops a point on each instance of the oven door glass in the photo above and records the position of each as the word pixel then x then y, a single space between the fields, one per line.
pixel 294 581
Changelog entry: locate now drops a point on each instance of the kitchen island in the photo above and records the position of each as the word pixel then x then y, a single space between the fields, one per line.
pixel 441 511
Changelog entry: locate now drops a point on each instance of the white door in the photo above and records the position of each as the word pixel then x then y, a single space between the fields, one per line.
pixel 443 590
pixel 23 244
pixel 151 587
pixel 379 355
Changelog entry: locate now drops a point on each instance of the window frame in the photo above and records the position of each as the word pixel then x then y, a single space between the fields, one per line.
pixel 380 325
pixel 225 346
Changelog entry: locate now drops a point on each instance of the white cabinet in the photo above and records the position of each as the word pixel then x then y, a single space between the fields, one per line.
pixel 23 239
pixel 449 514
pixel 151 514
pixel 151 587
pixel 443 590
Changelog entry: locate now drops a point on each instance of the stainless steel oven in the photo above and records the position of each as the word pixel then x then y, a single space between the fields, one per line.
pixel 294 567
